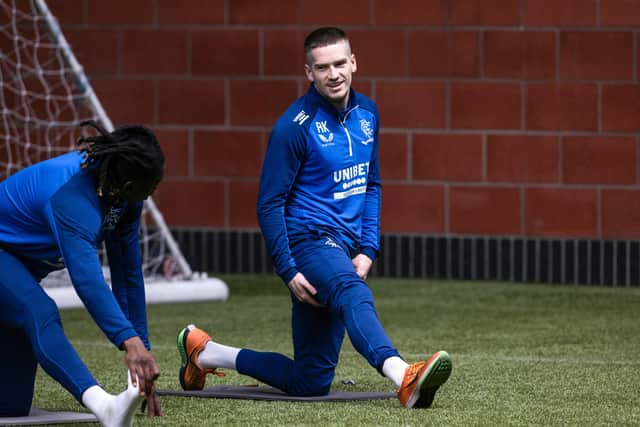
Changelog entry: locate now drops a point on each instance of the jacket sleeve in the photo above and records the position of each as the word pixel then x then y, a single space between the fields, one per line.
pixel 125 264
pixel 76 223
pixel 283 159
pixel 370 240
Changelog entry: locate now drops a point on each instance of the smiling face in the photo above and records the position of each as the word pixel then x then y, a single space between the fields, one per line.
pixel 330 68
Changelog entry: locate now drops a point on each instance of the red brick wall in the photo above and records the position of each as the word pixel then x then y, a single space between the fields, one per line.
pixel 500 117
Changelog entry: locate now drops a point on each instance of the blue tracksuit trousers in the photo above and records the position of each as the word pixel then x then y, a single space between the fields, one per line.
pixel 31 334
pixel 318 332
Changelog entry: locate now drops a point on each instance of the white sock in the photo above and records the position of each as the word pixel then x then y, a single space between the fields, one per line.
pixel 113 411
pixel 217 355
pixel 394 368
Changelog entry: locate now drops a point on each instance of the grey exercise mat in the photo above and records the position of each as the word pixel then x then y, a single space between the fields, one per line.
pixel 269 393
pixel 39 416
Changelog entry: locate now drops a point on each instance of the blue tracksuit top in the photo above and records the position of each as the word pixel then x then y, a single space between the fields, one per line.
pixel 321 176
pixel 51 217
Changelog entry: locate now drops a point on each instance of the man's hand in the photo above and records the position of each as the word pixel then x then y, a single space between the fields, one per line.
pixel 303 290
pixel 142 365
pixel 362 264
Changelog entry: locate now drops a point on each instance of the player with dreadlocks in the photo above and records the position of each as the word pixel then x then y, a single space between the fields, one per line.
pixel 55 214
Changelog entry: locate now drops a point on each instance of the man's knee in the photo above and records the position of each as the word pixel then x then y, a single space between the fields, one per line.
pixel 46 312
pixel 355 296
pixel 40 320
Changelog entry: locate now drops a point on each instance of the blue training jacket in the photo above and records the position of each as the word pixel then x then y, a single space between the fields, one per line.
pixel 321 177
pixel 51 217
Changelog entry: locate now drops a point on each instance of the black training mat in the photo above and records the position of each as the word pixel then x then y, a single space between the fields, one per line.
pixel 269 393
pixel 39 416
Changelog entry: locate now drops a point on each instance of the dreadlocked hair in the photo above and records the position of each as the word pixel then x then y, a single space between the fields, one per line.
pixel 129 153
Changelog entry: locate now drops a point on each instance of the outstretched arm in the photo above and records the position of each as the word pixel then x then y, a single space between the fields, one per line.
pixel 127 282
pixel 76 223
pixel 125 263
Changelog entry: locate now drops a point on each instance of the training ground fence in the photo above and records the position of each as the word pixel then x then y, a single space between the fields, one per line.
pixel 514 259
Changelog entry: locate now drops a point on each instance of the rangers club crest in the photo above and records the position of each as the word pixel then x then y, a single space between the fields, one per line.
pixel 365 126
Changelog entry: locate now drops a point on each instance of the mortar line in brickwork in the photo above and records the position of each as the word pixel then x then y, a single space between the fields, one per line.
pixel 189 50
pixel 447 105
pixel 261 52
pixel 372 13
pixel 190 153
pixel 409 157
pixel 156 96
pixel 634 54
pixel 557 53
pixel 119 53
pixel 523 106
pixel 521 15
pixel 515 132
pixel 637 140
pixel 227 102
pixel 546 81
pixel 216 128
pixel 485 155
pixel 84 13
pixel 156 14
pixel 406 59
pixel 502 184
pixel 560 158
pixel 599 107
pixel 481 53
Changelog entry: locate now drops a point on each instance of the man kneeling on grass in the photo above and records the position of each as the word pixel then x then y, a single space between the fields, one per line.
pixel 319 210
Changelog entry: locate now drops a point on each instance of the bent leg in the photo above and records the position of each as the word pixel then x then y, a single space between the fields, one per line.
pixel 317 337
pixel 18 372
pixel 345 293
pixel 318 332
pixel 24 305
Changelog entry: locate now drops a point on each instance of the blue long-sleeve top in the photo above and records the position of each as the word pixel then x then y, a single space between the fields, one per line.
pixel 51 218
pixel 321 176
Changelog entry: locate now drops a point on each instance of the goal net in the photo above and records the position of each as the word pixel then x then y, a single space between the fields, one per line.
pixel 44 96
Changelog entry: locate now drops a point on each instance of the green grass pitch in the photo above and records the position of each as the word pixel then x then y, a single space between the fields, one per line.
pixel 523 355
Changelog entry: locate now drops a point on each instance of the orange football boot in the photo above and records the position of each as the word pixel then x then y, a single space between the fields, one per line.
pixel 422 380
pixel 191 342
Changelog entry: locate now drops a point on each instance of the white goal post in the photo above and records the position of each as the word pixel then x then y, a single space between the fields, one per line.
pixel 44 96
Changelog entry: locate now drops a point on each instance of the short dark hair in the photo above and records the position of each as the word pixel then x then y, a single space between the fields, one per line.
pixel 323 36
pixel 129 153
